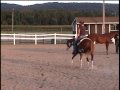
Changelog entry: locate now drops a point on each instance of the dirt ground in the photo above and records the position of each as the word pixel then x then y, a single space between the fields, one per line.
pixel 48 67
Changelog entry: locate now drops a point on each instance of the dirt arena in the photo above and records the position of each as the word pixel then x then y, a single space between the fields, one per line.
pixel 48 67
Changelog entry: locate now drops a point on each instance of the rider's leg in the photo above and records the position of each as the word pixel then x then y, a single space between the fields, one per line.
pixel 117 47
pixel 80 47
pixel 75 50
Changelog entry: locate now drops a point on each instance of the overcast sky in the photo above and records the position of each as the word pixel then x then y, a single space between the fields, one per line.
pixel 24 3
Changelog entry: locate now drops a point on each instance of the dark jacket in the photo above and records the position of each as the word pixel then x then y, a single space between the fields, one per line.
pixel 116 39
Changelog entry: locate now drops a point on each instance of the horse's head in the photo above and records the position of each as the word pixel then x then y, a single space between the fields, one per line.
pixel 113 40
pixel 113 34
pixel 116 37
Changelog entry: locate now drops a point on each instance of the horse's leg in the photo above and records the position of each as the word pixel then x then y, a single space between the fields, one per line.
pixel 107 44
pixel 92 59
pixel 81 60
pixel 94 42
pixel 92 64
pixel 88 61
pixel 72 61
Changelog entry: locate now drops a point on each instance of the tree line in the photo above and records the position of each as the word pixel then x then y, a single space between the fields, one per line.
pixel 45 17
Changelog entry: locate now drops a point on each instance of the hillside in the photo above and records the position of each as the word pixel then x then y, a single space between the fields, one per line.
pixel 53 13
pixel 66 6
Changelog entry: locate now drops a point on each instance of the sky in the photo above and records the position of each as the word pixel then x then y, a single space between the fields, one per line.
pixel 28 2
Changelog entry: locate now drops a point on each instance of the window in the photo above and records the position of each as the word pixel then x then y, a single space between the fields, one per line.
pixel 86 25
pixel 114 27
pixel 117 27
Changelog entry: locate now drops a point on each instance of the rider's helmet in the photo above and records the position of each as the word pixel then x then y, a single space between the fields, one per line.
pixel 81 22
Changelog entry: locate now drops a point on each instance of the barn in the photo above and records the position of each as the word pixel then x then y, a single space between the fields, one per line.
pixel 94 24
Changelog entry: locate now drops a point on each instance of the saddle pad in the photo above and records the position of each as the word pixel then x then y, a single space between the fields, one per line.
pixel 82 40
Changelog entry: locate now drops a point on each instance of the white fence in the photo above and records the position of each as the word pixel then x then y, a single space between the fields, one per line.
pixel 35 37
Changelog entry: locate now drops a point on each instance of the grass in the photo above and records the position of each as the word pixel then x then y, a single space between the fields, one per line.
pixel 37 29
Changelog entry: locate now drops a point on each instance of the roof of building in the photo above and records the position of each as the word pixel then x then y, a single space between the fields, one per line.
pixel 96 19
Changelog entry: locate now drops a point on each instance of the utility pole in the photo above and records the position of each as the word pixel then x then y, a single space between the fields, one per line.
pixel 115 14
pixel 12 19
pixel 103 27
pixel 115 24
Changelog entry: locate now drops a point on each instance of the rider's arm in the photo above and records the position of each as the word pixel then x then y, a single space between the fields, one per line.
pixel 78 31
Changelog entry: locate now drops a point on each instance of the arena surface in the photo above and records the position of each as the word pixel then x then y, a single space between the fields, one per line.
pixel 48 67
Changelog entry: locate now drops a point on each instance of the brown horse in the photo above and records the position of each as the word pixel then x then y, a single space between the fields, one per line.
pixel 103 38
pixel 70 42
pixel 88 46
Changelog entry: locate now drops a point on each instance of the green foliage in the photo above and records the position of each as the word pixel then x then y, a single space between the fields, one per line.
pixel 47 16
pixel 36 29
pixel 43 17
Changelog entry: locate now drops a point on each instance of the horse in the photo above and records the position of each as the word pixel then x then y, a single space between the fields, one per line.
pixel 70 42
pixel 97 38
pixel 88 46
pixel 103 38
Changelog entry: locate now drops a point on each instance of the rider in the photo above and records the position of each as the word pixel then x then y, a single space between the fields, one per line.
pixel 117 42
pixel 80 35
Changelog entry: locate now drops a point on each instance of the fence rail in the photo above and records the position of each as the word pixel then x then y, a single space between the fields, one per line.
pixel 35 37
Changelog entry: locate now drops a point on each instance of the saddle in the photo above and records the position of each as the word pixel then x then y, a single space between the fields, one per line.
pixel 81 49
pixel 81 39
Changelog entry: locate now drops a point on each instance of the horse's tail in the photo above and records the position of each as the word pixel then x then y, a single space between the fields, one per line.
pixel 69 43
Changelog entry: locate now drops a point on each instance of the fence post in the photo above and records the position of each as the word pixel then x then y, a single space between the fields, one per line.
pixel 35 39
pixel 54 38
pixel 14 38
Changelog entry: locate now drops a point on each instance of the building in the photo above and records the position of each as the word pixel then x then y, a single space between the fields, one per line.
pixel 94 24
